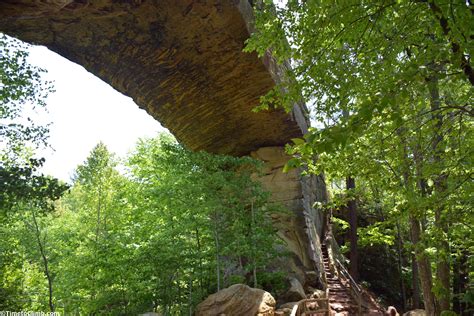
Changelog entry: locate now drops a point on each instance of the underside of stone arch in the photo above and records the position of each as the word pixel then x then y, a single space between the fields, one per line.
pixel 182 61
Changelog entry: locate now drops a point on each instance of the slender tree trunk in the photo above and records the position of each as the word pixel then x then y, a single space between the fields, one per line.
pixel 216 241
pixel 190 297
pixel 440 184
pixel 417 226
pixel 424 268
pixel 422 261
pixel 198 242
pixel 460 284
pixel 352 207
pixel 123 294
pixel 99 206
pixel 457 287
pixel 415 283
pixel 443 270
pixel 176 299
pixel 96 246
pixel 400 267
pixel 45 262
pixel 254 247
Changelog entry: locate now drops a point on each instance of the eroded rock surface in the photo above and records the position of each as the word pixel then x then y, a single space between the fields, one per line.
pixel 295 291
pixel 180 60
pixel 302 225
pixel 237 300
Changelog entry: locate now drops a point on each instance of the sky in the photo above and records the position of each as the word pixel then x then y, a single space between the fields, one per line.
pixel 83 111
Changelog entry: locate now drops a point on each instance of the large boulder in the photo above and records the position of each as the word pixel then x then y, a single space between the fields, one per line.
pixel 294 293
pixel 315 293
pixel 236 300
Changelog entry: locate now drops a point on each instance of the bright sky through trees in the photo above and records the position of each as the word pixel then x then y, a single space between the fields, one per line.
pixel 85 110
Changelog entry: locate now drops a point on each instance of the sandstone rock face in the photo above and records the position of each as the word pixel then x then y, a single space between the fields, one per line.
pixel 237 300
pixel 180 60
pixel 302 226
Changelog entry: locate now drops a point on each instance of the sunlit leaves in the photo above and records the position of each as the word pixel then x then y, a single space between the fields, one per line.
pixel 390 88
pixel 21 86
pixel 154 238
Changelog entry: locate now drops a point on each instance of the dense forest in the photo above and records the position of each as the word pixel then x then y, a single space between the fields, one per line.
pixel 171 230
pixel 390 85
pixel 390 89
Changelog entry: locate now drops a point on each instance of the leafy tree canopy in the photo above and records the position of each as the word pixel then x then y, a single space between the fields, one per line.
pixel 391 87
pixel 22 89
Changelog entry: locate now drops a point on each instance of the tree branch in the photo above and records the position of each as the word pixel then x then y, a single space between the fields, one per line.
pixel 455 47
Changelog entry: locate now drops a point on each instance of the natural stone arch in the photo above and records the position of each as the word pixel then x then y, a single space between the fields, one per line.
pixel 182 61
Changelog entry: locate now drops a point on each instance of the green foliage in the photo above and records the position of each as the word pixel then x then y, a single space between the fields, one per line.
pixel 375 235
pixel 172 228
pixel 25 195
pixel 391 88
pixel 21 90
pixel 21 86
pixel 342 224
pixel 22 183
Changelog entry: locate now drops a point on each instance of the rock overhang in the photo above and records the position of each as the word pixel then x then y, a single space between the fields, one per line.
pixel 181 61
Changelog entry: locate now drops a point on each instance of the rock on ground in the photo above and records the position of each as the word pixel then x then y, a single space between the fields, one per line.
pixel 237 300
pixel 294 293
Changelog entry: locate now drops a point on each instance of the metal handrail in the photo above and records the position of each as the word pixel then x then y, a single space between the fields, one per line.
pixel 294 310
pixel 353 285
pixel 348 275
pixel 311 231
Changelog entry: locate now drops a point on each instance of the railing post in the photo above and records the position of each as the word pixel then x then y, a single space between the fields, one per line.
pixel 294 310
pixel 359 307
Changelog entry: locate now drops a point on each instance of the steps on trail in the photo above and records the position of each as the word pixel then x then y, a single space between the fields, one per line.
pixel 340 299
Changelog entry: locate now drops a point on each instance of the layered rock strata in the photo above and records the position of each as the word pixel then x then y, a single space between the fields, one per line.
pixel 301 227
pixel 180 60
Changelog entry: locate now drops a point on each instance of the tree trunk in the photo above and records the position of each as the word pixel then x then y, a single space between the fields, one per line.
pixel 400 267
pixel 423 263
pixel 254 255
pixel 45 263
pixel 352 207
pixel 457 286
pixel 216 241
pixel 190 299
pixel 424 268
pixel 460 284
pixel 201 280
pixel 415 283
pixel 96 246
pixel 440 186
